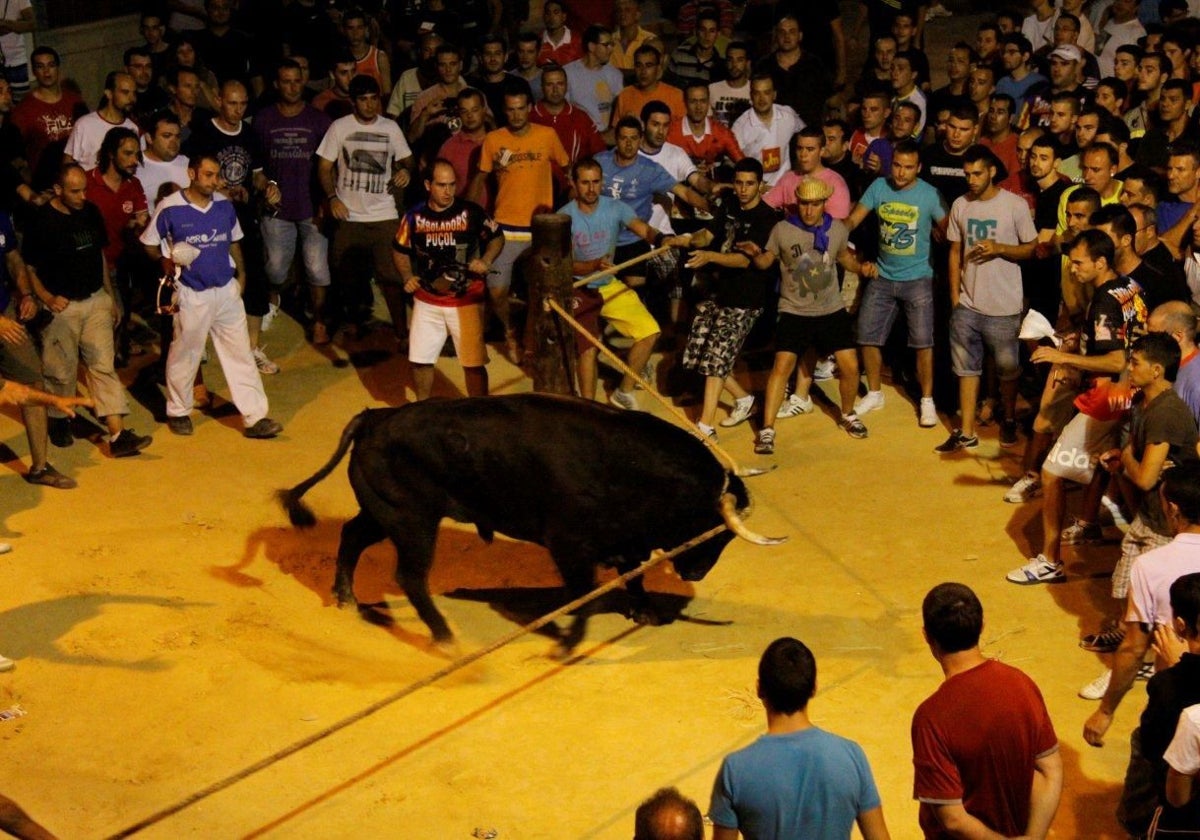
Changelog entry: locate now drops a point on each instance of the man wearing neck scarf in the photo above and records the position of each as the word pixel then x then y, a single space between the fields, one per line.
pixel 809 245
pixel 990 230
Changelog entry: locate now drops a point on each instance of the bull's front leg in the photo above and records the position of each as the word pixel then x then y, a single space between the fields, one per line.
pixel 641 610
pixel 579 578
pixel 358 534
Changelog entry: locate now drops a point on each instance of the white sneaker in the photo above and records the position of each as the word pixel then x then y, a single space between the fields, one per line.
pixel 5 547
pixel 927 418
pixel 269 318
pixel 1096 688
pixel 708 431
pixel 1028 486
pixel 825 369
pixel 6 664
pixel 871 402
pixel 264 363
pixel 741 412
pixel 794 407
pixel 624 399
pixel 1037 570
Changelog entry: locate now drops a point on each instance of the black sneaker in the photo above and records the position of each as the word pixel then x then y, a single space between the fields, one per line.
pixel 955 442
pixel 180 425
pixel 60 432
pixel 128 443
pixel 264 428
pixel 1106 641
pixel 1008 433
pixel 764 443
pixel 47 476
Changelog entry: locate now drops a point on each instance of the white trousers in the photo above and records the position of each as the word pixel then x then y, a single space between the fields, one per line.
pixel 217 312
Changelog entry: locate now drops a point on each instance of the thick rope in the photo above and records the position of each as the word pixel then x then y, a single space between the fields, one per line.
pixel 677 413
pixel 655 558
pixel 613 269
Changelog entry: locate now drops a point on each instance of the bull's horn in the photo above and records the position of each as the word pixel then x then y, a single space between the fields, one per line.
pixel 734 522
pixel 750 472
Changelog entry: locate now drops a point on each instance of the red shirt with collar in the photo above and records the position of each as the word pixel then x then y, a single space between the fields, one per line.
pixel 574 128
pixel 116 208
pixel 717 142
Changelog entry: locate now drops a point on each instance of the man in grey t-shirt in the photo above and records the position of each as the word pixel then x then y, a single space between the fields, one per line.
pixel 812 316
pixel 990 229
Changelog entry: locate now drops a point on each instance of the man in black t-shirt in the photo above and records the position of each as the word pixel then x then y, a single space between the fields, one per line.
pixel 443 249
pixel 64 252
pixel 738 293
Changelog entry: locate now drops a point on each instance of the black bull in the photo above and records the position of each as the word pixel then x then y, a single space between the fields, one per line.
pixel 594 485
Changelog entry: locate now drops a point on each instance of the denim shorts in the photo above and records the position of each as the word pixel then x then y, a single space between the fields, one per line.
pixel 972 332
pixel 881 303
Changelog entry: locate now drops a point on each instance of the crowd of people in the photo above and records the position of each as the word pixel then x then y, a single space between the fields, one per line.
pixel 1032 224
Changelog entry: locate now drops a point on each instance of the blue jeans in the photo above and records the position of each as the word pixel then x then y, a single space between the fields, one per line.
pixel 881 303
pixel 972 332
pixel 279 242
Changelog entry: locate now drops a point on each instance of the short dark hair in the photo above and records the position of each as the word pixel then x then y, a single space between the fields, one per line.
pixel 195 160
pixel 979 152
pixel 912 106
pixel 1008 100
pixel 363 85
pixel 812 132
pixel 1181 487
pixel 1164 64
pixel 744 46
pixel 907 146
pixel 528 37
pixel 911 57
pixel 140 50
pixel 989 26
pixel 648 49
pixel 592 34
pixel 1180 85
pixel 658 818
pixel 587 162
pixel 517 86
pixel 1117 129
pixel 1047 141
pixel 1184 149
pixel 1151 183
pixel 627 121
pixel 1185 596
pixel 1097 244
pixel 749 164
pixel 1019 41
pixel 953 617
pixel 654 106
pixel 1159 349
pixel 708 13
pixel 164 116
pixel 835 122
pixel 1133 50
pixel 965 112
pixel 1070 18
pixel 44 50
pixel 787 675
pixel 471 93
pixel 1118 216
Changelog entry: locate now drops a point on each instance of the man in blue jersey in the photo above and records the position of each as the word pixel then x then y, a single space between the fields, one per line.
pixel 597 223
pixel 209 299
pixel 797 780
pixel 908 209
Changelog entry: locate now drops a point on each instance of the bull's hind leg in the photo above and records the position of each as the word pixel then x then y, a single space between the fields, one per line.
pixel 579 579
pixel 415 542
pixel 358 534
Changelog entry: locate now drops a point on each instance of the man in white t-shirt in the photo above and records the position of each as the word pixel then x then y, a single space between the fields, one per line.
pixel 765 131
pixel 990 231
pixel 361 160
pixel 16 21
pixel 120 95
pixel 161 162
pixel 1123 28
pixel 731 97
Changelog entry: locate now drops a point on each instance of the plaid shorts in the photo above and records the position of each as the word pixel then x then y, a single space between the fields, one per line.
pixel 716 338
pixel 1139 539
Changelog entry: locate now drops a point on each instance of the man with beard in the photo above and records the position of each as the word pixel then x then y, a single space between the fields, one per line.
pixel 732 96
pixel 288 133
pixel 151 97
pixel 990 231
pixel 572 124
pixel 943 164
pixel 765 130
pixel 120 95
pixel 230 140
pixel 1064 78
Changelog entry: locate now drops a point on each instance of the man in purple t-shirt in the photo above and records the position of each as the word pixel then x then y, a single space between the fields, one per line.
pixel 288 133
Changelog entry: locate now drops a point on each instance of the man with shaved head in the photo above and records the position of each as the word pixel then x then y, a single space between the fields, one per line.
pixel 668 815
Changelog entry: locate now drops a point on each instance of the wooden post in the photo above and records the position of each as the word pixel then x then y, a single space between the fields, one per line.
pixel 547 338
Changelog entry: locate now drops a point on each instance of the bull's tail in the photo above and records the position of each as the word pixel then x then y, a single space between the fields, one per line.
pixel 300 514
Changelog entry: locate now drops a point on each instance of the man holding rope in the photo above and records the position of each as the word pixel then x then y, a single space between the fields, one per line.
pixel 596 222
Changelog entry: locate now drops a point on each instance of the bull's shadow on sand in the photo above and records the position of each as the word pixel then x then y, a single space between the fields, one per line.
pixel 519 583
pixel 33 630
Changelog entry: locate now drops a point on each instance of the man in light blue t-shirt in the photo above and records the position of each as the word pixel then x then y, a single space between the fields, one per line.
pixel 797 780
pixel 908 209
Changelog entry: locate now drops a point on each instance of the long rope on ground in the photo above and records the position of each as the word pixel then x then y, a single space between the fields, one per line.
pixel 655 558
pixel 677 413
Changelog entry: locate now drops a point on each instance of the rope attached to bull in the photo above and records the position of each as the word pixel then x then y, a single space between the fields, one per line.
pixel 656 557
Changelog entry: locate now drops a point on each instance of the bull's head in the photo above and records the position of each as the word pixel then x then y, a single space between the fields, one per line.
pixel 694 564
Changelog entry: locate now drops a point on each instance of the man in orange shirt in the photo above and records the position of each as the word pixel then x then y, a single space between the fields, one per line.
pixel 647 62
pixel 521 155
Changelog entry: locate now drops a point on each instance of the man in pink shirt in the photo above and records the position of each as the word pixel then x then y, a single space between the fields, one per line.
pixel 806 152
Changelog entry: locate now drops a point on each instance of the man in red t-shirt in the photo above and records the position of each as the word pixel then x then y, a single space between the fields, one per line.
pixel 985 755
pixel 574 127
pixel 707 142
pixel 45 118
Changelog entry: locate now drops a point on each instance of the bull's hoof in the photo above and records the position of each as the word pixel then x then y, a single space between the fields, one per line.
pixel 645 617
pixel 447 647
pixel 562 651
pixel 344 600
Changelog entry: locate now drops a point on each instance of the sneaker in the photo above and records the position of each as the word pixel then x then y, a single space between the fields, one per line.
pixel 624 399
pixel 320 334
pixel 873 401
pixel 928 415
pixel 1145 671
pixel 794 407
pixel 1096 688
pixel 47 476
pixel 264 428
pixel 264 363
pixel 1008 433
pixel 1081 533
pixel 60 432
pixel 1028 486
pixel 5 548
pixel 180 425
pixel 741 412
pixel 955 442
pixel 707 431
pixel 825 370
pixel 6 664
pixel 128 443
pixel 1037 570
pixel 1106 641
pixel 647 374
pixel 764 442
pixel 853 426
pixel 269 318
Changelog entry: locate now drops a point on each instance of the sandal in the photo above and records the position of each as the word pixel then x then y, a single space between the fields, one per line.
pixel 47 476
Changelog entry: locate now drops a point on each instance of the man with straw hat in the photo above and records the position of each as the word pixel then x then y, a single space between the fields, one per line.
pixel 809 246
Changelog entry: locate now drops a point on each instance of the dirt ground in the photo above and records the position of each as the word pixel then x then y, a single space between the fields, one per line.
pixel 171 629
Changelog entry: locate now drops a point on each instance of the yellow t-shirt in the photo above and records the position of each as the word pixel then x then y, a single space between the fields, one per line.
pixel 524 172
